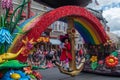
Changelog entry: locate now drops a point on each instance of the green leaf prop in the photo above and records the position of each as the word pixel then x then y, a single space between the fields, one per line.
pixel 94 65
pixel 115 53
pixel 32 76
pixel 2 49
pixel 14 64
pixel 36 67
pixel 2 24
pixel 19 30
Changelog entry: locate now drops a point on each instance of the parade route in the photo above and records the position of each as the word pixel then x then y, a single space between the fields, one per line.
pixel 54 74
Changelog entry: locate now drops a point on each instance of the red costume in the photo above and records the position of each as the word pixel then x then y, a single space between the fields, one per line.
pixel 81 52
pixel 66 52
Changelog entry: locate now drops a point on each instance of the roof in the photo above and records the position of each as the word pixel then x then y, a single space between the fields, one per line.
pixel 55 41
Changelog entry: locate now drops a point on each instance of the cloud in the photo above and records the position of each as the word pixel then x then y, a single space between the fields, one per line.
pixel 117 32
pixel 102 3
pixel 113 18
pixel 111 15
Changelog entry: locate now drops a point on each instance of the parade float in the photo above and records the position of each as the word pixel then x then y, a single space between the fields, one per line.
pixel 17 41
pixel 10 67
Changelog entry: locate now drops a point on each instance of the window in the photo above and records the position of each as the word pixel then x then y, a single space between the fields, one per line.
pixel 55 26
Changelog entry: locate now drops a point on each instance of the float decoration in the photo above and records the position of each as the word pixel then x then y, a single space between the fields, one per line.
pixel 7 4
pixel 94 65
pixel 5 36
pixel 27 70
pixel 82 20
pixel 28 46
pixel 93 59
pixel 7 27
pixel 15 75
pixel 8 31
pixel 34 74
pixel 115 53
pixel 37 75
pixel 7 56
pixel 111 61
pixel 100 62
pixel 43 39
pixel 10 64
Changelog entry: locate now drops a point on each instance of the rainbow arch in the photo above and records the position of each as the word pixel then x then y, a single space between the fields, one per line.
pixel 87 25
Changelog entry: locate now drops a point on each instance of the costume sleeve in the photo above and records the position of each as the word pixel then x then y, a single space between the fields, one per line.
pixel 68 46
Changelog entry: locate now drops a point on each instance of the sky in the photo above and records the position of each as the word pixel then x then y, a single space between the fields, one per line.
pixel 112 15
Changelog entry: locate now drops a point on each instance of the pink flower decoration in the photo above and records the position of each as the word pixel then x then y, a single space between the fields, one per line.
pixel 37 75
pixel 100 62
pixel 7 4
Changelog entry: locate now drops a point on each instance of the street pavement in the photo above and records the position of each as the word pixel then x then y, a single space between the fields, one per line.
pixel 54 74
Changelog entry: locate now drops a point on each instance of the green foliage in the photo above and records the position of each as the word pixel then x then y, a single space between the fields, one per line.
pixel 2 49
pixel 94 65
pixel 115 53
pixel 14 64
pixel 2 20
pixel 11 26
pixel 0 23
pixel 18 17
pixel 32 76
pixel 19 30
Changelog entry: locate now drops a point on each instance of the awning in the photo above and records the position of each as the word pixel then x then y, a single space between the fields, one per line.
pixel 23 13
pixel 32 13
pixel 55 41
pixel 10 12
